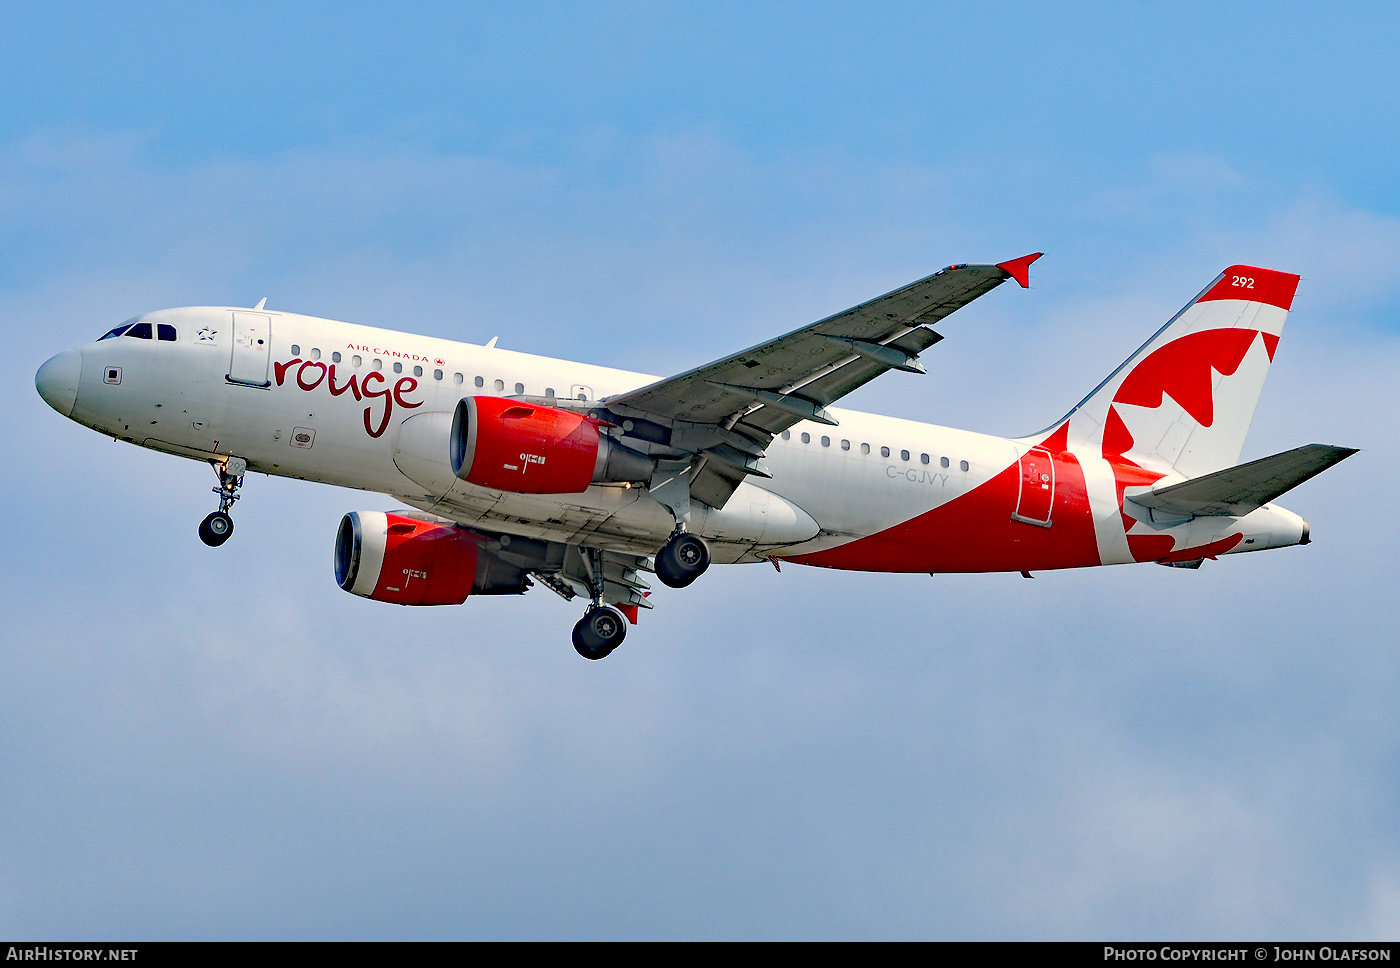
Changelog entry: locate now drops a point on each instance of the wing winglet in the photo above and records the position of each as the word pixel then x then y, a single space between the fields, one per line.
pixel 1020 269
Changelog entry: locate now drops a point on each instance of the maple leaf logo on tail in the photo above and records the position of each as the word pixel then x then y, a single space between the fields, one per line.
pixel 1182 404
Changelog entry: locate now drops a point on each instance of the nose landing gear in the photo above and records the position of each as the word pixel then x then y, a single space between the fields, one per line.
pixel 217 528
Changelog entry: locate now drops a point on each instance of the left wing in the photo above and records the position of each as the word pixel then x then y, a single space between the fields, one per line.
pixel 727 412
pixel 613 577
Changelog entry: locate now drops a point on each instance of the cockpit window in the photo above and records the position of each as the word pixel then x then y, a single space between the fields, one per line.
pixel 166 332
pixel 111 333
pixel 140 331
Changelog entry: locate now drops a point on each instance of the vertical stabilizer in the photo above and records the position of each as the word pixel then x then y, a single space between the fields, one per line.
pixel 1184 401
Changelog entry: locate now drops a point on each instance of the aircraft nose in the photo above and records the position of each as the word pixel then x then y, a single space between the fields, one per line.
pixel 57 381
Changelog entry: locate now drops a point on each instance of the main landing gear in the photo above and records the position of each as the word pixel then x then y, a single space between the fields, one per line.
pixel 602 627
pixel 218 526
pixel 682 559
pixel 599 632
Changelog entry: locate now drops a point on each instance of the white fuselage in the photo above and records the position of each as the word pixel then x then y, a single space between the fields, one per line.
pixel 275 389
pixel 177 397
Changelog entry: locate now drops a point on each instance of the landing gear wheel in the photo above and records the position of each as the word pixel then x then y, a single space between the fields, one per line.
pixel 683 559
pixel 215 529
pixel 599 632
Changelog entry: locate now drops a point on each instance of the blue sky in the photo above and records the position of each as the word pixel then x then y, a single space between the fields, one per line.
pixel 223 744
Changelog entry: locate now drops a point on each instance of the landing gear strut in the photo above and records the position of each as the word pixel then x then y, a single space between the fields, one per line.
pixel 682 559
pixel 599 632
pixel 602 627
pixel 218 526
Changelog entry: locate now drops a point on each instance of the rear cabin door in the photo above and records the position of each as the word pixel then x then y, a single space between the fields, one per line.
pixel 252 350
pixel 1037 493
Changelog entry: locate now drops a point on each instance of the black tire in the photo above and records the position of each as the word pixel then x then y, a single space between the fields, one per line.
pixel 599 632
pixel 215 529
pixel 684 559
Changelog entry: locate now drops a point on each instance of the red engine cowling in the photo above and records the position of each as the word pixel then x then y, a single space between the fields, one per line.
pixel 392 558
pixel 532 449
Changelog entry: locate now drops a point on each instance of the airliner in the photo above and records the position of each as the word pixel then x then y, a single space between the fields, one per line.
pixel 517 470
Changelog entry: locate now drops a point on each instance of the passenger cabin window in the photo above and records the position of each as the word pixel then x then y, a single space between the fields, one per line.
pixel 166 332
pixel 962 465
pixel 437 374
pixel 845 445
pixel 904 455
pixel 140 331
pixel 296 350
pixel 826 441
pixel 398 367
pixel 549 392
pixel 520 388
pixel 457 378
pixel 806 438
pixel 943 462
pixel 865 448
pixel 479 382
pixel 884 452
pixel 787 435
pixel 500 384
pixel 335 357
pixel 923 458
pixel 356 360
pixel 417 371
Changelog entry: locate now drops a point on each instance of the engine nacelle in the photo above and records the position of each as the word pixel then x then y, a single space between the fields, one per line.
pixel 392 558
pixel 531 449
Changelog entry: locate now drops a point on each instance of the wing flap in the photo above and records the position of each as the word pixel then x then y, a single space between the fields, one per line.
pixel 614 575
pixel 1239 490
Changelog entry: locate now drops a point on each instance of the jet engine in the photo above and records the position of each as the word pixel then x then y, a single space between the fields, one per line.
pixel 407 561
pixel 532 449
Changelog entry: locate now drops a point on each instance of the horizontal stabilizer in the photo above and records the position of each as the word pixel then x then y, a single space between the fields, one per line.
pixel 1240 490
